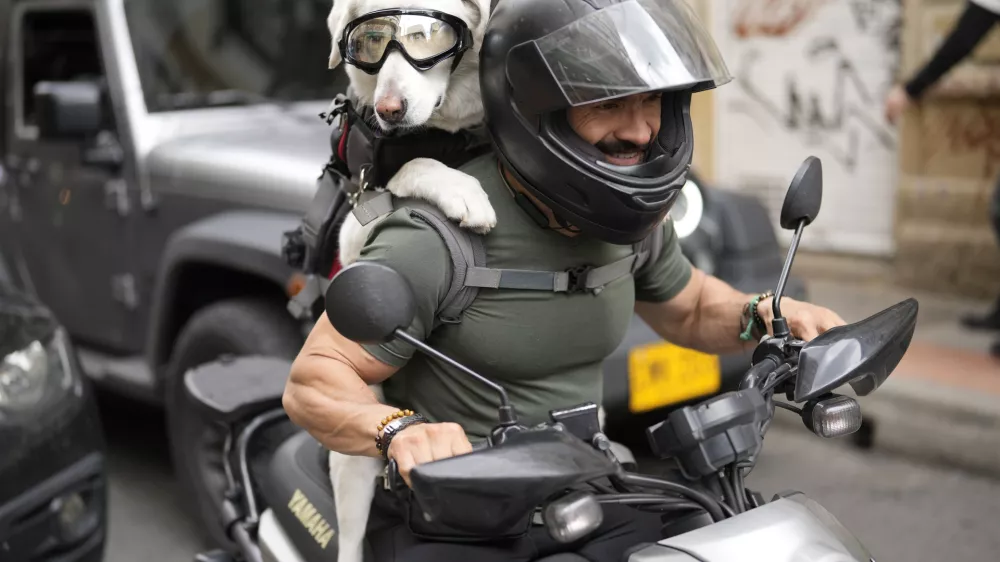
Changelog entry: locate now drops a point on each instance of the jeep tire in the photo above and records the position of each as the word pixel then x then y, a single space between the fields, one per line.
pixel 245 326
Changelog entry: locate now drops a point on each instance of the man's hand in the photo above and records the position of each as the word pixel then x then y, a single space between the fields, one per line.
pixel 806 321
pixel 427 442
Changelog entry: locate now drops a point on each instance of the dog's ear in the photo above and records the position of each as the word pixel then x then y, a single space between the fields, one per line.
pixel 480 15
pixel 336 21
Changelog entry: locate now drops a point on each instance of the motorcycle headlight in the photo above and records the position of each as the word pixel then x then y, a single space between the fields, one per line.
pixel 687 210
pixel 35 374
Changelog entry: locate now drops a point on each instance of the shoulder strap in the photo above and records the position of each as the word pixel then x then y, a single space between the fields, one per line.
pixel 465 247
pixel 468 259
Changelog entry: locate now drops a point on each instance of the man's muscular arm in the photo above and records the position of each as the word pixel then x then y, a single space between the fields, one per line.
pixel 327 392
pixel 706 315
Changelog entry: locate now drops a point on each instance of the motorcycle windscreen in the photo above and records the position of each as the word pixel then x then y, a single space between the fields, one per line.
pixel 631 48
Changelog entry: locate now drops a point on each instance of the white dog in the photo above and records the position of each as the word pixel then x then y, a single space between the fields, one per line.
pixel 405 97
pixel 435 98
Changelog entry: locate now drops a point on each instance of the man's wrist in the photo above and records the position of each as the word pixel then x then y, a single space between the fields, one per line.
pixel 764 312
pixel 752 323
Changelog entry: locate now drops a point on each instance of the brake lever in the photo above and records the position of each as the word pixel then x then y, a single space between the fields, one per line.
pixel 392 481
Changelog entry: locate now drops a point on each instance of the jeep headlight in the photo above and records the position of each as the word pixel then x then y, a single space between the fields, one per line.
pixel 35 374
pixel 687 210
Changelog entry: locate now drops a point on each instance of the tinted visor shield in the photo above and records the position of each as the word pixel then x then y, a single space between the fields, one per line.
pixel 424 38
pixel 630 48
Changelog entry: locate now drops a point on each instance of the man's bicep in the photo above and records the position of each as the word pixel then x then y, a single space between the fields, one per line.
pixel 325 342
pixel 670 318
pixel 667 274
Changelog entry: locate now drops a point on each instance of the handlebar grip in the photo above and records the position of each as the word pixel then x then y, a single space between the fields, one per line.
pixel 763 368
pixel 396 483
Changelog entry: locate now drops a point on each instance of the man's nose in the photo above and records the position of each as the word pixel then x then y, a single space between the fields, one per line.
pixel 635 128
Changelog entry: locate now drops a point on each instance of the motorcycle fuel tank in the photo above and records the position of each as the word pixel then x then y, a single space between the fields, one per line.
pixel 791 529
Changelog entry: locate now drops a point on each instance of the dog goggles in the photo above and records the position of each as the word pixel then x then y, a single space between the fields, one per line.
pixel 423 37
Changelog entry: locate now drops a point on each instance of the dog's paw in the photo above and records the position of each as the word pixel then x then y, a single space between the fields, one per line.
pixel 465 201
pixel 459 196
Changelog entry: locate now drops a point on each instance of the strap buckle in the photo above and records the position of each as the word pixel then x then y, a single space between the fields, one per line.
pixel 339 106
pixel 577 278
pixel 362 186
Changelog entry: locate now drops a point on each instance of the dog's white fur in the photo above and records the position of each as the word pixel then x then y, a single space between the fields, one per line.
pixel 434 98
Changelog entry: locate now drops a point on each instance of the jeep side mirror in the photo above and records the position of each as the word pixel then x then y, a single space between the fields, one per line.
pixel 68 110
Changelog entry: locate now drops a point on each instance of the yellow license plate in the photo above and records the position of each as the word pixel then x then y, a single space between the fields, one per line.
pixel 662 374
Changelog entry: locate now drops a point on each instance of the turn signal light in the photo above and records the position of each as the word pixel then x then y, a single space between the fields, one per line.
pixel 832 416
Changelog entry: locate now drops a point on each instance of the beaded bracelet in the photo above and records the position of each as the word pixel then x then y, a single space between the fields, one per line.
pixel 751 317
pixel 392 425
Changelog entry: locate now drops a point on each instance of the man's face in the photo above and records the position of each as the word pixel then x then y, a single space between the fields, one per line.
pixel 622 128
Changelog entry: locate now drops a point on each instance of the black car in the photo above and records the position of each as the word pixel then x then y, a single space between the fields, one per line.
pixel 53 488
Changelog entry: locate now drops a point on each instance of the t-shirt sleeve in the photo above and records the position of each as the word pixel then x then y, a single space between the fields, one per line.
pixel 666 275
pixel 413 248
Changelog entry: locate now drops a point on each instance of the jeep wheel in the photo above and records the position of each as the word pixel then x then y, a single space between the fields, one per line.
pixel 234 327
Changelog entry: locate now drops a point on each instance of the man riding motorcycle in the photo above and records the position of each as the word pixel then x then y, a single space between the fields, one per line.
pixel 587 103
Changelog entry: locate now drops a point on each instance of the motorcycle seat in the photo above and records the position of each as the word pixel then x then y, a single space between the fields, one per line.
pixel 234 389
pixel 298 488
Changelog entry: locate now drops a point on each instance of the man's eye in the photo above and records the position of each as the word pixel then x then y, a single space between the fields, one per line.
pixel 607 106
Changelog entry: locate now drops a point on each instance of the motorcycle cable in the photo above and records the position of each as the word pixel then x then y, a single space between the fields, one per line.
pixel 789 407
pixel 728 492
pixel 780 375
pixel 606 490
pixel 650 503
pixel 736 484
pixel 715 508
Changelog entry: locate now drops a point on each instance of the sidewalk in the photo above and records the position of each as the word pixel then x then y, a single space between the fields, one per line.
pixel 942 404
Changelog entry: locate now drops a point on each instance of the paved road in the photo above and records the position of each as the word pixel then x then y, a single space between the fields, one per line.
pixel 901 511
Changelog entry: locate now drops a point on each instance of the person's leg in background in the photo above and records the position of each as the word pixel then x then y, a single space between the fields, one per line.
pixel 990 320
pixel 995 214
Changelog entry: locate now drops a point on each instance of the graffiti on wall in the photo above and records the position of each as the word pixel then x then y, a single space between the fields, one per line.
pixel 771 18
pixel 834 119
pixel 810 77
pixel 821 95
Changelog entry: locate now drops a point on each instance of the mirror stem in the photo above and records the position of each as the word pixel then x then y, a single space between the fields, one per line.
pixel 779 324
pixel 507 416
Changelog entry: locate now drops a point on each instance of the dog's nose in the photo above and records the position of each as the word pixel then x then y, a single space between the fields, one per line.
pixel 391 109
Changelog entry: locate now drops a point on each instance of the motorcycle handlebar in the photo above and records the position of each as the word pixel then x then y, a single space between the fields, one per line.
pixel 760 371
pixel 395 482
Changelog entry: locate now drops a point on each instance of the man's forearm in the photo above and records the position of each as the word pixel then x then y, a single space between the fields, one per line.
pixel 711 318
pixel 716 325
pixel 326 397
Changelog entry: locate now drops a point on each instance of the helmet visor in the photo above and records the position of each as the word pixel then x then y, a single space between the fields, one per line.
pixel 633 47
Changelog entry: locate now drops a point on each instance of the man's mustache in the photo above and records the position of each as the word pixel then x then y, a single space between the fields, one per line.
pixel 620 147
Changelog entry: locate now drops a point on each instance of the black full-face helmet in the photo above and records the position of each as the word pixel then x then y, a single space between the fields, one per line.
pixel 541 57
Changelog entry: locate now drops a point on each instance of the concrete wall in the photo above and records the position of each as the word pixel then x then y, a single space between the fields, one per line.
pixel 949 163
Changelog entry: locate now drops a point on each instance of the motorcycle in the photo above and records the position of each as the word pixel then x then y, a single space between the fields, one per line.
pixel 278 505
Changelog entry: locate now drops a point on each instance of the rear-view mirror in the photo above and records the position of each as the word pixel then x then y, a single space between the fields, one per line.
pixel 804 196
pixel 864 353
pixel 367 302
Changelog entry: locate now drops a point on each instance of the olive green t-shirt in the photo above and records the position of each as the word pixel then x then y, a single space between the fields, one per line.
pixel 545 348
